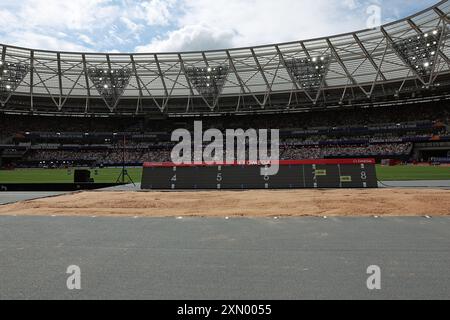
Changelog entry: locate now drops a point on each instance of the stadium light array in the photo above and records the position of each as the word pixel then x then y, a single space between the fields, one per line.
pixel 208 81
pixel 419 52
pixel 309 72
pixel 11 75
pixel 110 83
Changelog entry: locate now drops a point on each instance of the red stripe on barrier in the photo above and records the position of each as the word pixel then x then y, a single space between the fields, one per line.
pixel 281 162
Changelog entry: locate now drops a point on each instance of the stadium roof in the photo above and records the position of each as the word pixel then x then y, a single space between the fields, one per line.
pixel 403 60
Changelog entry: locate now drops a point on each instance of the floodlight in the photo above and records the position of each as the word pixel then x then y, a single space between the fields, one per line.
pixel 419 51
pixel 309 73
pixel 110 84
pixel 209 82
pixel 13 74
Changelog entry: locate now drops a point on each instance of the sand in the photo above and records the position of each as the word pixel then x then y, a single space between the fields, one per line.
pixel 342 202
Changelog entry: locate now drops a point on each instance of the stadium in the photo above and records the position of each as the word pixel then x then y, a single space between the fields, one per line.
pixel 375 100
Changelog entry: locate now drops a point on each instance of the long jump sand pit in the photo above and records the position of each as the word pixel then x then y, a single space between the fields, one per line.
pixel 347 202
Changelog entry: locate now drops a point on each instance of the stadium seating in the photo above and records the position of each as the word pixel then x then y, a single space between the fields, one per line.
pixel 373 132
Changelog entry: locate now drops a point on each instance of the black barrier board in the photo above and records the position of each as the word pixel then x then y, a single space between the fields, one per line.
pixel 341 173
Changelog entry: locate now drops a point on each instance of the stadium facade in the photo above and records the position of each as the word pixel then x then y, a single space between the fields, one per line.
pixel 405 61
pixel 381 93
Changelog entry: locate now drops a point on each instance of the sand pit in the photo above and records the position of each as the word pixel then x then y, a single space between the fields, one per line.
pixel 382 202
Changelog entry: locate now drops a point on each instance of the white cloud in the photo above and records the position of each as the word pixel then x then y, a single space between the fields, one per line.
pixel 351 4
pixel 132 26
pixel 158 12
pixel 190 38
pixel 171 25
pixel 102 25
pixel 56 24
pixel 73 15
pixel 44 42
pixel 8 19
pixel 86 39
pixel 267 21
pixel 206 24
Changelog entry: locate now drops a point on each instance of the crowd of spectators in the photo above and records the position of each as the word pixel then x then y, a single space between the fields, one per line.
pixel 105 157
pixel 320 152
pixel 18 125
pixel 298 147
pixel 66 155
pixel 15 124
pixel 337 118
pixel 138 156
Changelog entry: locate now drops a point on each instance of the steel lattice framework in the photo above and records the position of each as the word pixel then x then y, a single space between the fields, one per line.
pixel 402 61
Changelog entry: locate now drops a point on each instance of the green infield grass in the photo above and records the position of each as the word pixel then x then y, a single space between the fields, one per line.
pixel 110 175
pixel 404 173
pixel 106 175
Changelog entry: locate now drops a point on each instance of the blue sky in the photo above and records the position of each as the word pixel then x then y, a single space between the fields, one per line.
pixel 184 25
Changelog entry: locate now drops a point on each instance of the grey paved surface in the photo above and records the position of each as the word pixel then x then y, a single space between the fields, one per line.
pixel 440 184
pixel 11 197
pixel 127 187
pixel 294 258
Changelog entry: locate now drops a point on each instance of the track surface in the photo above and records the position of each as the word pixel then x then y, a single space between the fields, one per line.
pixel 11 197
pixel 294 258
